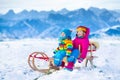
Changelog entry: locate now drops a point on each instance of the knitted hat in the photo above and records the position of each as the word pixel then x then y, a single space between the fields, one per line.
pixel 67 33
pixel 79 28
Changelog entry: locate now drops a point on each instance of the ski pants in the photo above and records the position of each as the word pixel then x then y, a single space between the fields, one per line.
pixel 74 55
pixel 58 57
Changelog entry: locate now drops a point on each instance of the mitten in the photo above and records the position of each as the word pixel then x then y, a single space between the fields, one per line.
pixel 80 60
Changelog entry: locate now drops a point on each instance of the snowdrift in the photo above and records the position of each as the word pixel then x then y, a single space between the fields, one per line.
pixel 14 66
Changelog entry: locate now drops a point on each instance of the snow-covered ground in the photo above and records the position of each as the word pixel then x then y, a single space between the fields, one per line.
pixel 14 66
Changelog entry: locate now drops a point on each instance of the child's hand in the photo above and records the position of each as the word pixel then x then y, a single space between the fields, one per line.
pixel 80 60
pixel 55 51
pixel 67 55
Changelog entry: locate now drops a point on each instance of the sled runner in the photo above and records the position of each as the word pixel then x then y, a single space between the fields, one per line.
pixel 39 61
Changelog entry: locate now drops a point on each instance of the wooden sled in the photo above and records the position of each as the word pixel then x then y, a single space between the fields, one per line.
pixel 39 61
pixel 36 59
pixel 93 46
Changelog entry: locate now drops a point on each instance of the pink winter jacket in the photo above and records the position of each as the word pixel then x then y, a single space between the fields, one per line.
pixel 84 44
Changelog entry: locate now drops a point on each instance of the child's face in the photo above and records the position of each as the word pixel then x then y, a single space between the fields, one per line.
pixel 62 34
pixel 80 33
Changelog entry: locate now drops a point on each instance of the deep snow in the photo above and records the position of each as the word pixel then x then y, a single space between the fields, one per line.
pixel 14 66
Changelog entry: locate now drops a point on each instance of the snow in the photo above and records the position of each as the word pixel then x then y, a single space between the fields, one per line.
pixel 14 66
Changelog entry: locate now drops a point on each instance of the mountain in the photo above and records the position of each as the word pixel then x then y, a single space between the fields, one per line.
pixel 63 11
pixel 112 31
pixel 115 31
pixel 31 24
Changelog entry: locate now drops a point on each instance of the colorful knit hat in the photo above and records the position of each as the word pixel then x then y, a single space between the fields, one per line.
pixel 67 33
pixel 83 28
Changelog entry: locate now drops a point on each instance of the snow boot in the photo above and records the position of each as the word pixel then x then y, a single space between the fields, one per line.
pixel 63 64
pixel 70 66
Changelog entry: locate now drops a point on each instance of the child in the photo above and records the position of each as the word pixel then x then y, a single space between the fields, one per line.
pixel 64 48
pixel 80 47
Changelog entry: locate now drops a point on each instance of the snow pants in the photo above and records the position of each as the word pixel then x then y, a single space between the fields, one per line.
pixel 74 55
pixel 58 57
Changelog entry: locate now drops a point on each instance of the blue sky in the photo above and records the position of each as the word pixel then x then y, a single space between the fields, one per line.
pixel 19 5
